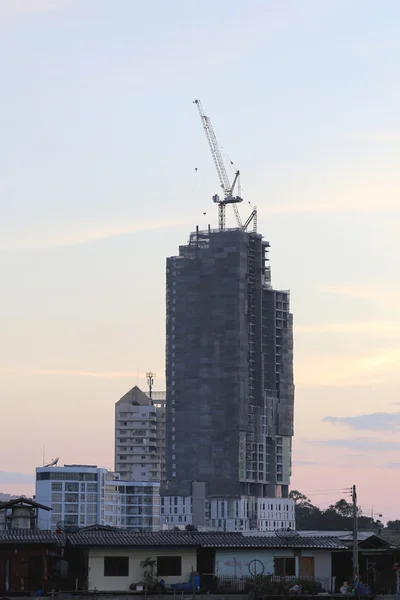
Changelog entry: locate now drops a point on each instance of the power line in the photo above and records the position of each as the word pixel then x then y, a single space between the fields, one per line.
pixel 327 491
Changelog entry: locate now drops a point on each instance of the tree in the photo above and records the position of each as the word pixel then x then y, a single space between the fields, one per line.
pixel 298 497
pixel 338 516
pixel 393 525
pixel 343 508
pixel 149 565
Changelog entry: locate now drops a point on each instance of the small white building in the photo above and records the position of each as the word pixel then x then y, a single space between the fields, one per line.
pixel 85 495
pixel 246 513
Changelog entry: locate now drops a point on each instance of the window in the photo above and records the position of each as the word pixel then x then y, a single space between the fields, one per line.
pixel 116 566
pixel 284 566
pixel 71 497
pixel 57 487
pixel 169 566
pixel 71 487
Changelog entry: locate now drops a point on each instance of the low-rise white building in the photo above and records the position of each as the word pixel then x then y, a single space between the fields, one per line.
pixel 84 495
pixel 246 513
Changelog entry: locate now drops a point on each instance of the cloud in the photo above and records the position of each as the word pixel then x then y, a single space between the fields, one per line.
pixel 350 198
pixel 394 465
pixel 75 237
pixel 78 373
pixel 333 370
pixel 363 292
pixel 370 422
pixel 378 137
pixel 12 8
pixel 363 327
pixel 12 478
pixel 74 373
pixel 360 444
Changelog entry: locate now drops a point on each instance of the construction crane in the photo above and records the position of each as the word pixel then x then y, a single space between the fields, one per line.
pixel 227 187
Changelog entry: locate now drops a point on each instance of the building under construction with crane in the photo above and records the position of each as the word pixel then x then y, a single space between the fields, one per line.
pixel 229 362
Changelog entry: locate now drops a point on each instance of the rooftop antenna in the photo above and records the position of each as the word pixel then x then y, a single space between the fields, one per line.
pixel 150 382
pixel 53 463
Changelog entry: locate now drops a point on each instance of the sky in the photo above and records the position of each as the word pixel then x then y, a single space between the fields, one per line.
pixel 105 169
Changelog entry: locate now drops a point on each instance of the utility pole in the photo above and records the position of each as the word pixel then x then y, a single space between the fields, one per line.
pixel 355 536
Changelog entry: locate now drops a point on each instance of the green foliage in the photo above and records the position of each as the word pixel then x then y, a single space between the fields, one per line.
pixel 338 516
pixel 149 565
pixel 264 585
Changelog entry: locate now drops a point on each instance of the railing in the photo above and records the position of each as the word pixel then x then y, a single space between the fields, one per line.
pixel 227 584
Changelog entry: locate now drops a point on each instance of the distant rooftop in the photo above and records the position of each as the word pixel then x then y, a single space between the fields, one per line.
pixel 22 501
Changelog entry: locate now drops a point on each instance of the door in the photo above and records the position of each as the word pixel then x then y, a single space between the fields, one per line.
pixel 306 567
pixel 35 573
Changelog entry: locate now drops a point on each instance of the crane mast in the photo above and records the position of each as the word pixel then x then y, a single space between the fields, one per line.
pixel 227 187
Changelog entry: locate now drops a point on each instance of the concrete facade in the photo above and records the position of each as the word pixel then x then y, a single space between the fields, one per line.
pixel 229 514
pixel 135 573
pixel 159 402
pixel 229 369
pixel 84 495
pixel 245 562
pixel 136 456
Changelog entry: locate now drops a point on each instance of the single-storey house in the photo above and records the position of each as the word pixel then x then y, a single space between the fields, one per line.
pixel 107 559
pixel 378 552
pixel 29 558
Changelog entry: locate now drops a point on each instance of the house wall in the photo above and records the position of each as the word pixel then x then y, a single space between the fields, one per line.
pixel 96 578
pixel 235 563
pixel 23 569
pixel 322 563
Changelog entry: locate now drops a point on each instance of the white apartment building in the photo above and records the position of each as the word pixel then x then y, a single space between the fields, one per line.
pixel 84 495
pixel 140 436
pixel 247 513
pixel 140 505
pixel 159 402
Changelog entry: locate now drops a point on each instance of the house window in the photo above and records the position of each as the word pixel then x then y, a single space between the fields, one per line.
pixel 285 566
pixel 169 566
pixel 116 566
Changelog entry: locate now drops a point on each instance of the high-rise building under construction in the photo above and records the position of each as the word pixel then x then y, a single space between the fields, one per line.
pixel 229 369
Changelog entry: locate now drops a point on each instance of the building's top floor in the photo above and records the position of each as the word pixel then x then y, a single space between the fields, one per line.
pixel 133 398
pixel 208 238
pixel 139 487
pixel 94 474
pixel 157 396
pixel 75 473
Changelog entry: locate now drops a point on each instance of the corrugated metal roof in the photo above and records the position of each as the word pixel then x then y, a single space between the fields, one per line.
pixel 391 536
pixel 120 538
pixel 31 536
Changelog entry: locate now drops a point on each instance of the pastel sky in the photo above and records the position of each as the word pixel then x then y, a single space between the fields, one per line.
pixel 99 146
